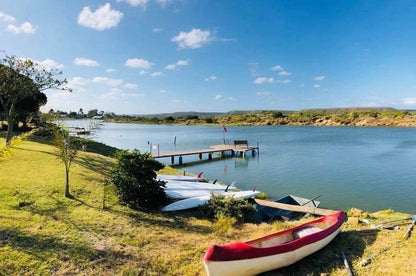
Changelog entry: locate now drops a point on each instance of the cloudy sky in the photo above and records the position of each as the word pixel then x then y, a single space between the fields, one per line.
pixel 153 56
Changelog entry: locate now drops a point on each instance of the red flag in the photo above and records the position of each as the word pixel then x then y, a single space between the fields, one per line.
pixel 225 129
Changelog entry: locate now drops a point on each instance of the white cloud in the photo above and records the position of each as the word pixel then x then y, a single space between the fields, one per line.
pixel 78 81
pixel 316 86
pixel 138 63
pixel 319 78
pixel 135 3
pixel 157 74
pixel 163 91
pixel 107 81
pixel 142 72
pixel 284 81
pixel 263 80
pixel 49 64
pixel 178 63
pixel 277 68
pixel 26 28
pixel 219 97
pixel 211 78
pixel 196 38
pixel 110 70
pixel 86 62
pixel 284 73
pixel 163 3
pixel 263 94
pixel 409 101
pixel 157 30
pixel 130 86
pixel 103 18
pixel 170 67
pixel 6 17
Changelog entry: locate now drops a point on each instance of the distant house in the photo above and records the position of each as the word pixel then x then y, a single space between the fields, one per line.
pixel 101 117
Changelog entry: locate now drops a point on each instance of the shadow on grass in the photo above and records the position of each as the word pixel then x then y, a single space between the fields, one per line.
pixel 353 243
pixel 43 248
pixel 99 166
pixel 40 151
pixel 156 219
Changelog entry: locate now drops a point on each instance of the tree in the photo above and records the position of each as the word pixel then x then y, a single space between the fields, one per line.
pixel 67 150
pixel 21 79
pixel 92 113
pixel 135 178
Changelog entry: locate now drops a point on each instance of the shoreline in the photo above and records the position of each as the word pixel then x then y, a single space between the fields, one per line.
pixel 350 119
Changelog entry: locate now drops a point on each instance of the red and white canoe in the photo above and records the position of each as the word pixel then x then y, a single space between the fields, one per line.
pixel 273 251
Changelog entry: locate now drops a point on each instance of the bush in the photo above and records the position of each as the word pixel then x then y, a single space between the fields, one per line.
pixel 223 224
pixel 135 179
pixel 239 208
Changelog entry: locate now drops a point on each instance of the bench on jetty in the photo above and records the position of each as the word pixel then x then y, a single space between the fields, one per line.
pixel 235 149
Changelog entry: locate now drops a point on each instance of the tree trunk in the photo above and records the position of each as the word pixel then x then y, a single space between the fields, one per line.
pixel 9 118
pixel 67 194
pixel 9 131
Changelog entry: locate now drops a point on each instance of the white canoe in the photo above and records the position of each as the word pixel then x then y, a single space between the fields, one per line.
pixel 197 201
pixel 186 185
pixel 166 177
pixel 185 194
pixel 273 251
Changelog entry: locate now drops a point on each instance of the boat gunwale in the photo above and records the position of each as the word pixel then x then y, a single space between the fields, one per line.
pixel 247 251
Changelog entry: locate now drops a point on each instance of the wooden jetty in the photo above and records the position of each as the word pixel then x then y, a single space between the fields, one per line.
pixel 239 148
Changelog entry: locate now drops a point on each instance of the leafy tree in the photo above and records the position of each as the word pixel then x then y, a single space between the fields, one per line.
pixel 21 79
pixel 169 119
pixel 135 178
pixel 67 150
pixel 92 113
pixel 27 109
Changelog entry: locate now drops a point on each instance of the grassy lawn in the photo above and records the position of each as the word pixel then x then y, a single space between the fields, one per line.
pixel 43 233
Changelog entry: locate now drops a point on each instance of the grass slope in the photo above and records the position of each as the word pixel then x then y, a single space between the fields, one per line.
pixel 43 233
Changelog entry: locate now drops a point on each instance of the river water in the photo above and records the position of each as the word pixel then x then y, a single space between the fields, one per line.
pixel 369 168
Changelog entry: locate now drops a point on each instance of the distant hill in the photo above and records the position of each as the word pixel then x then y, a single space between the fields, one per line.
pixel 243 112
pixel 185 114
pixel 337 111
pixel 341 110
pixel 181 114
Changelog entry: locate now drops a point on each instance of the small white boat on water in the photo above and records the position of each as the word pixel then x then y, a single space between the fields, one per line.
pixel 200 200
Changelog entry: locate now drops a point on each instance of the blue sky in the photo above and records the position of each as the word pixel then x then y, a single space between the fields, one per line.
pixel 154 56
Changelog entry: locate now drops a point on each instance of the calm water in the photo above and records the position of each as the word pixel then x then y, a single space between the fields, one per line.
pixel 368 168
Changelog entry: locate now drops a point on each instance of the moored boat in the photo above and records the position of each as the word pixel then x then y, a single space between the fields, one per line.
pixel 273 251
pixel 193 202
pixel 269 213
pixel 168 177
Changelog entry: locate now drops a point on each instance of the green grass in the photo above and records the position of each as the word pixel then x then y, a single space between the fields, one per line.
pixel 43 233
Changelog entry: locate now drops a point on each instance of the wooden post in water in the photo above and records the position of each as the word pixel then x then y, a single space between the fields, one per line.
pixel 174 141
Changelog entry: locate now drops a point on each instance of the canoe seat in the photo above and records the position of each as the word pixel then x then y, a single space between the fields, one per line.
pixel 305 231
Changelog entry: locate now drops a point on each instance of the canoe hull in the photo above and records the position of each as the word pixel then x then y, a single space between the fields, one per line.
pixel 258 265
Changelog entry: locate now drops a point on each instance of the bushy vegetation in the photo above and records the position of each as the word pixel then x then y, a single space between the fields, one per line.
pixel 220 206
pixel 135 178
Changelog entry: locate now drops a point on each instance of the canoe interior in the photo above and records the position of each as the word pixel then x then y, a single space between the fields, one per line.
pixel 268 214
pixel 291 235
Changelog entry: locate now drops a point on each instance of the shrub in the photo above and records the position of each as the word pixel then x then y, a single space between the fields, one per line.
pixel 135 179
pixel 223 224
pixel 277 114
pixel 239 208
pixel 209 120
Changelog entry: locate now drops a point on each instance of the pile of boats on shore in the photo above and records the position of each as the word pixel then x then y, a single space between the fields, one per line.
pixel 266 253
